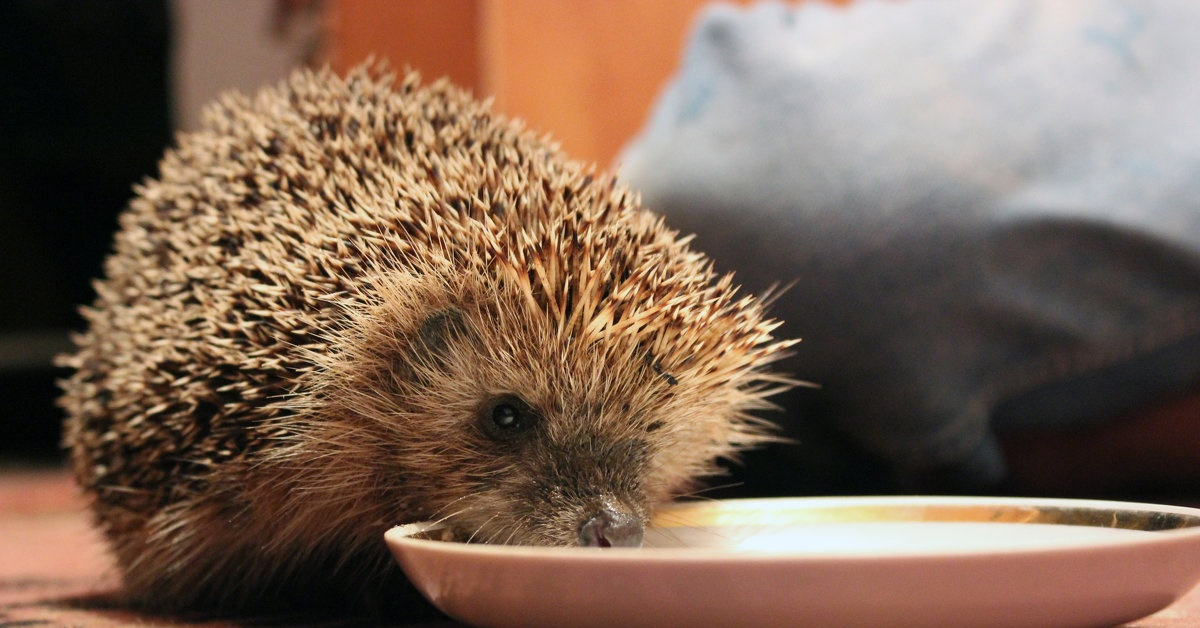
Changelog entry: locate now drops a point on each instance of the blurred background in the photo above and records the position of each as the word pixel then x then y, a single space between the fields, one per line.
pixel 92 92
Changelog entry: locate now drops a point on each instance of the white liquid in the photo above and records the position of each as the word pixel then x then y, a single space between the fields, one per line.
pixel 881 538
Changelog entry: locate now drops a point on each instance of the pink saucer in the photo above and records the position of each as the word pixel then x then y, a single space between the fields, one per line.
pixel 874 562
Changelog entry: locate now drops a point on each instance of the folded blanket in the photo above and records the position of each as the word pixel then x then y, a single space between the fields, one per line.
pixel 990 210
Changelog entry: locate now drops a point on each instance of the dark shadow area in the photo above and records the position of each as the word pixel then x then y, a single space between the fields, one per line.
pixel 84 114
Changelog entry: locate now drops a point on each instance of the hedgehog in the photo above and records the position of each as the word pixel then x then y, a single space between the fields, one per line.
pixel 350 302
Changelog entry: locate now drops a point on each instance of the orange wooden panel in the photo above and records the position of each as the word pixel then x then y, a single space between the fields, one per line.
pixel 585 71
pixel 438 37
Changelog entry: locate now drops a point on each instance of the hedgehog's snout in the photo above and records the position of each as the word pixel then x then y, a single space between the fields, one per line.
pixel 611 525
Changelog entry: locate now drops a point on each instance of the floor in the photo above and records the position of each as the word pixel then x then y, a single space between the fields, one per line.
pixel 54 572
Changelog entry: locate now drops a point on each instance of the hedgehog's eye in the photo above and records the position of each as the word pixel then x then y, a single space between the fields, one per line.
pixel 507 418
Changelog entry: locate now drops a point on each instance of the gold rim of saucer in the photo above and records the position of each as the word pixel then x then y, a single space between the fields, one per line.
pixel 781 511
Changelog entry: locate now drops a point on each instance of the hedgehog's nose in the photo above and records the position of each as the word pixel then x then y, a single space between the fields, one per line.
pixel 611 527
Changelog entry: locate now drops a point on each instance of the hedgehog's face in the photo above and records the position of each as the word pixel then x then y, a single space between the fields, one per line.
pixel 551 476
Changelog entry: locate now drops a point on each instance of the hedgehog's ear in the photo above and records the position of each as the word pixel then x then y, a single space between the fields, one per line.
pixel 439 330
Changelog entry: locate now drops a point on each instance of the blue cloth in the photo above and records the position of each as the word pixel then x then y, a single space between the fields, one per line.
pixel 990 209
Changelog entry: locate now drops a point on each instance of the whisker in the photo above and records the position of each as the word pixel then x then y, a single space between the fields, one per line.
pixel 708 489
pixel 446 518
pixel 481 527
pixel 511 534
pixel 523 522
pixel 438 512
